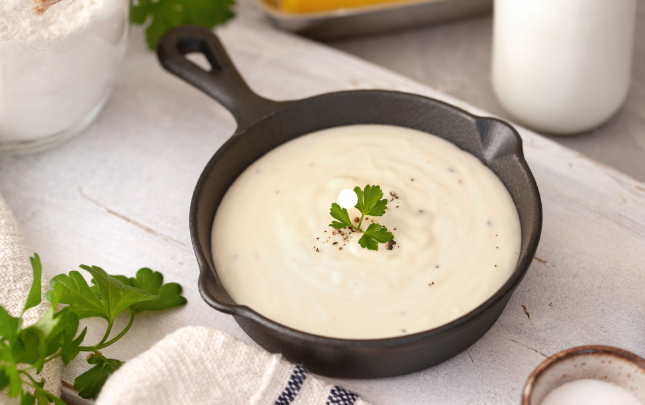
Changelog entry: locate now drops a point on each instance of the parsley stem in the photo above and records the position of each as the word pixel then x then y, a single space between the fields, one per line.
pixel 360 222
pixel 120 335
pixel 107 333
pixel 36 386
pixel 28 375
pixel 52 357
pixel 98 345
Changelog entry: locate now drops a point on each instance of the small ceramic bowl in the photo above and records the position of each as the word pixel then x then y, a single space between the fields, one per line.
pixel 604 363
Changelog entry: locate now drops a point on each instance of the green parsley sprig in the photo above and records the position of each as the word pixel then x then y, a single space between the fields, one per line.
pixel 55 335
pixel 165 15
pixel 370 202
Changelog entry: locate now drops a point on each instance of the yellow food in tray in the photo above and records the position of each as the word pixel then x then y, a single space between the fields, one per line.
pixel 312 6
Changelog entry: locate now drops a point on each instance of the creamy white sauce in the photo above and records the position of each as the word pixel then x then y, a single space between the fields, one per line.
pixel 456 229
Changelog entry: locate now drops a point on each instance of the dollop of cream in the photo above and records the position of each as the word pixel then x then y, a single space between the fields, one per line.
pixel 456 229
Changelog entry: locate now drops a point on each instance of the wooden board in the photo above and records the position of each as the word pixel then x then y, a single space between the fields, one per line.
pixel 118 197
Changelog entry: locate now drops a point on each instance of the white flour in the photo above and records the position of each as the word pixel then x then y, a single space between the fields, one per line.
pixel 57 69
pixel 19 25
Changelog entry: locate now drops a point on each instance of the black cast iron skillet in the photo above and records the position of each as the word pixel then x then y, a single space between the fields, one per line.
pixel 265 124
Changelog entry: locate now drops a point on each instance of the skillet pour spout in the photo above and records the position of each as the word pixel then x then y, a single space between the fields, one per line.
pixel 265 124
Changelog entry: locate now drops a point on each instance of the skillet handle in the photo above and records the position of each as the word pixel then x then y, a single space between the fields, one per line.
pixel 223 82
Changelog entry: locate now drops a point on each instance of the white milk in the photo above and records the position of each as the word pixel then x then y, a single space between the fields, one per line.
pixel 456 229
pixel 562 66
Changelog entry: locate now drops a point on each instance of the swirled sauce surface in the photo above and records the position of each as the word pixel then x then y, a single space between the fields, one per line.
pixel 456 229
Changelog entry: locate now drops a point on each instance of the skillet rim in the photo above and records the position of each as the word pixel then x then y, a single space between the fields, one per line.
pixel 508 287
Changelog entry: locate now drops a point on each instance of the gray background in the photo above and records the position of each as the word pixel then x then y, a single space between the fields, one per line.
pixel 455 58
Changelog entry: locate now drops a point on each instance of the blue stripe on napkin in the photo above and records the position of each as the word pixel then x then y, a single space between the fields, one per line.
pixel 340 396
pixel 297 378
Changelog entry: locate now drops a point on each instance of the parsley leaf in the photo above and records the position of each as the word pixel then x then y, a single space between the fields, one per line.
pixel 69 346
pixel 34 341
pixel 4 378
pixel 89 383
pixel 341 215
pixel 34 296
pixel 168 14
pixel 373 235
pixel 9 326
pixel 123 279
pixel 152 282
pixel 77 294
pixel 9 329
pixel 27 399
pixel 370 201
pixel 113 296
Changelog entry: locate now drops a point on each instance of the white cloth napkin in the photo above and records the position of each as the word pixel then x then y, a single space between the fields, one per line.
pixel 196 365
pixel 15 281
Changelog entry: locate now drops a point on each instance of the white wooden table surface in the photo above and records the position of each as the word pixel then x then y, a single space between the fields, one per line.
pixel 118 197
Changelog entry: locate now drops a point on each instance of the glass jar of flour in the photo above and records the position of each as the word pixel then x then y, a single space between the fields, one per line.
pixel 58 59
pixel 562 66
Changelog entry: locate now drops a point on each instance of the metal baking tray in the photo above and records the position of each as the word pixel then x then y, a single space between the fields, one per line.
pixel 373 18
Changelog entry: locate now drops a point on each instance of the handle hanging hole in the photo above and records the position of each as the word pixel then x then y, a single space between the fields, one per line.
pixel 200 60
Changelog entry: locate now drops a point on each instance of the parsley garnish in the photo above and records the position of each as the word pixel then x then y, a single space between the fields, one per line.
pixel 55 334
pixel 168 14
pixel 341 215
pixel 370 202
pixel 373 235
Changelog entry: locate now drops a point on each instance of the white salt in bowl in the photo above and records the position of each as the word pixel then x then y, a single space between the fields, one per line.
pixel 603 363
